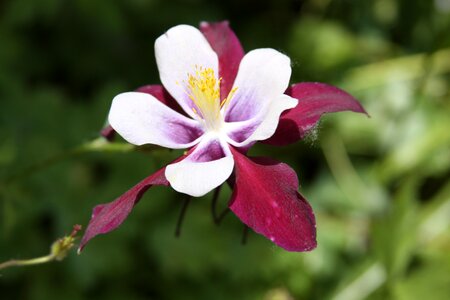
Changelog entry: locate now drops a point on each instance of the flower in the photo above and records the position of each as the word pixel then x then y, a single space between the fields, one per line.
pixel 218 102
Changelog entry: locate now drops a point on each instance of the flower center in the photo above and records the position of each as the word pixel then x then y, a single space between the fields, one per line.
pixel 203 88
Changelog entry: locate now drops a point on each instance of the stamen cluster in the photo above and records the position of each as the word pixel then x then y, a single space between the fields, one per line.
pixel 203 88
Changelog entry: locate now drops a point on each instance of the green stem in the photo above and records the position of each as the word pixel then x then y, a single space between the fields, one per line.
pixel 216 218
pixel 96 145
pixel 58 251
pixel 27 262
pixel 186 202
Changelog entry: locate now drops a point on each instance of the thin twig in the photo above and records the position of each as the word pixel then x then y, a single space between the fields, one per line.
pixel 26 262
pixel 186 202
pixel 217 218
pixel 222 215
pixel 96 145
pixel 58 251
pixel 214 205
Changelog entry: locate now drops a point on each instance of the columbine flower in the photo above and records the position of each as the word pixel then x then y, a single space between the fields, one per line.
pixel 218 102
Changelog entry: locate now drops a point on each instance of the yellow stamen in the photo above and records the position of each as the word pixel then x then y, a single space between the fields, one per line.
pixel 203 88
pixel 226 101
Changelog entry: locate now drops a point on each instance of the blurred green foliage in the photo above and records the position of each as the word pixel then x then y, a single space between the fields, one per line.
pixel 379 186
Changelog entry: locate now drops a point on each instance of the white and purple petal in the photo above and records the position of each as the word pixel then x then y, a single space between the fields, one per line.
pixel 157 91
pixel 263 75
pixel 141 119
pixel 179 52
pixel 207 167
pixel 262 126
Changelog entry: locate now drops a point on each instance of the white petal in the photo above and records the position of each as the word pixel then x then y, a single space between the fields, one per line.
pixel 263 74
pixel 141 119
pixel 260 127
pixel 207 167
pixel 178 52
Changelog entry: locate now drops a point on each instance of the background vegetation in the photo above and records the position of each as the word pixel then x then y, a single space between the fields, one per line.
pixel 379 186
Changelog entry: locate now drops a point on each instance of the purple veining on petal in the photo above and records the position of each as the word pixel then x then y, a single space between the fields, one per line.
pixel 243 106
pixel 240 131
pixel 157 91
pixel 260 127
pixel 263 75
pixel 160 93
pixel 173 127
pixel 207 151
pixel 209 165
pixel 141 119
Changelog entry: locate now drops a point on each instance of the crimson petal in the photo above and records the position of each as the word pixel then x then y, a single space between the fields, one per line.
pixel 157 91
pixel 315 99
pixel 266 199
pixel 160 93
pixel 229 50
pixel 108 133
pixel 109 216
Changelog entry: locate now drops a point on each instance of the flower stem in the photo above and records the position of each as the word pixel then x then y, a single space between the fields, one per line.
pixel 244 235
pixel 214 205
pixel 186 202
pixel 26 262
pixel 217 218
pixel 222 215
pixel 97 145
pixel 58 251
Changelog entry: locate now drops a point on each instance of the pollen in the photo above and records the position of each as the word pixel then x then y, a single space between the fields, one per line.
pixel 203 88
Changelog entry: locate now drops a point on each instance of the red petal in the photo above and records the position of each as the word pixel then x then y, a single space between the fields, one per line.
pixel 160 93
pixel 108 133
pixel 109 216
pixel 229 50
pixel 157 91
pixel 266 199
pixel 315 99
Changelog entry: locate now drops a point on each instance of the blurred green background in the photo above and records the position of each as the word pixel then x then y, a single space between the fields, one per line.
pixel 379 186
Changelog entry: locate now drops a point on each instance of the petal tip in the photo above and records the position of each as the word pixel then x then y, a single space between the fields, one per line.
pixel 186 177
pixel 204 24
pixel 273 208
